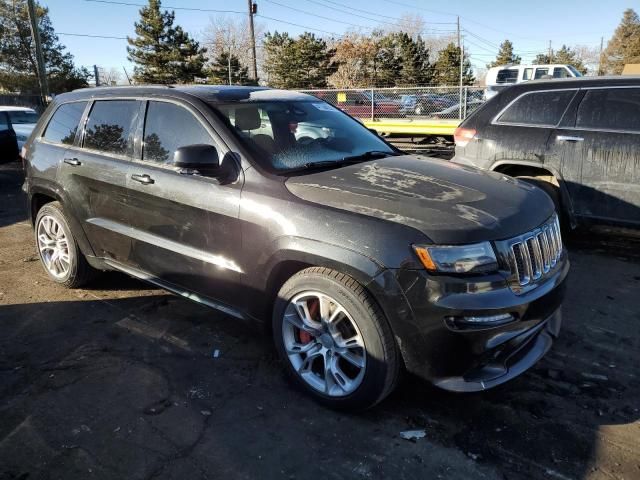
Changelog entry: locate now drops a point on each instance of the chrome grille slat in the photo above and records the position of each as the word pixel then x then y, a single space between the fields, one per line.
pixel 534 254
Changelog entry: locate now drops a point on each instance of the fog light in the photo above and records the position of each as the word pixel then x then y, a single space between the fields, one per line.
pixel 482 320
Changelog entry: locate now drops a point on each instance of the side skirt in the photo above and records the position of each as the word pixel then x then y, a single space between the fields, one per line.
pixel 175 289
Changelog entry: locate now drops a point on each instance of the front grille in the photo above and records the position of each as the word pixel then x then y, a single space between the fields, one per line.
pixel 533 255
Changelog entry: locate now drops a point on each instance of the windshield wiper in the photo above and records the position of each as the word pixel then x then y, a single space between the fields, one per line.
pixel 347 160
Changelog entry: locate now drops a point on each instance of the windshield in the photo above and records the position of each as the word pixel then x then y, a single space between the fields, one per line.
pixel 293 134
pixel 21 116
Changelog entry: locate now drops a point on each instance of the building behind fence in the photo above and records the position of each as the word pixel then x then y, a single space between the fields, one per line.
pixel 425 103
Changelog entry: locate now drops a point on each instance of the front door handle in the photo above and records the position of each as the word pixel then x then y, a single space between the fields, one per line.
pixel 143 179
pixel 566 138
pixel 72 161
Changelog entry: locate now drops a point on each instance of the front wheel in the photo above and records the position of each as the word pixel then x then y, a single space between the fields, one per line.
pixel 334 340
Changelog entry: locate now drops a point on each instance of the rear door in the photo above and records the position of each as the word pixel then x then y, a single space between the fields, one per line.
pixel 8 143
pixel 94 175
pixel 599 154
pixel 184 226
pixel 519 133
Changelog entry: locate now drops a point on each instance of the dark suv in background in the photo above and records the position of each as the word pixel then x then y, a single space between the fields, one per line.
pixel 578 139
pixel 364 260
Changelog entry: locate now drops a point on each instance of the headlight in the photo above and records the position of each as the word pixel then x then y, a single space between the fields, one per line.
pixel 478 257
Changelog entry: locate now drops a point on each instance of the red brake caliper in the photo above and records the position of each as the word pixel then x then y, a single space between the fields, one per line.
pixel 314 310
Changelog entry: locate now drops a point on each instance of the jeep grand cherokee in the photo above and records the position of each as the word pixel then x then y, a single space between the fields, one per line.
pixel 272 204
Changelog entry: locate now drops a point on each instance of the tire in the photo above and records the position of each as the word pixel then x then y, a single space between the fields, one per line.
pixel 374 361
pixel 51 227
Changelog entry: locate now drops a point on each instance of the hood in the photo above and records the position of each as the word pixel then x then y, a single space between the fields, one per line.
pixel 450 203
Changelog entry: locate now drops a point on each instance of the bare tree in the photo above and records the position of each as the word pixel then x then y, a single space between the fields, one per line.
pixel 231 35
pixel 112 76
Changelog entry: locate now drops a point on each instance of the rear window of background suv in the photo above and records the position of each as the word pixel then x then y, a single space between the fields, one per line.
pixel 537 108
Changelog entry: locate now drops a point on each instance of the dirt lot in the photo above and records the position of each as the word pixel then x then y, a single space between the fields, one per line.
pixel 126 382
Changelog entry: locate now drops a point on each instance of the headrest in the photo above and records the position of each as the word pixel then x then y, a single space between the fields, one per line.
pixel 247 118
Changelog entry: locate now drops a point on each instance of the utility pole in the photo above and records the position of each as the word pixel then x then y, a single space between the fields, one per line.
pixel 229 65
pixel 458 32
pixel 550 52
pixel 600 72
pixel 126 74
pixel 461 70
pixel 35 33
pixel 96 74
pixel 253 9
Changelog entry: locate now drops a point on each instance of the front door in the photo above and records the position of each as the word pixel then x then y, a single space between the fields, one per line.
pixel 601 155
pixel 184 226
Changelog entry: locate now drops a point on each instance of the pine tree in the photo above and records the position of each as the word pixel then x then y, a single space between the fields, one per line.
pixel 387 64
pixel 163 53
pixel 218 72
pixel 447 67
pixel 301 63
pixel 624 46
pixel 564 56
pixel 505 56
pixel 414 61
pixel 18 65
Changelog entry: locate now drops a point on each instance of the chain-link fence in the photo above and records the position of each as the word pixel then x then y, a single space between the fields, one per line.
pixel 413 102
pixel 20 100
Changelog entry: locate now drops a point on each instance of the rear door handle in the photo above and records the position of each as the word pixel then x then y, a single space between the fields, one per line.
pixel 143 179
pixel 565 138
pixel 72 161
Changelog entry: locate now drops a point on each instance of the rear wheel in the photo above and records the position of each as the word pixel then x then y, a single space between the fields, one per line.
pixel 58 250
pixel 334 340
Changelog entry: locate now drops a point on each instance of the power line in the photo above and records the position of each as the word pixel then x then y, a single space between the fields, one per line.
pixel 329 18
pixel 90 35
pixel 367 12
pixel 298 25
pixel 193 9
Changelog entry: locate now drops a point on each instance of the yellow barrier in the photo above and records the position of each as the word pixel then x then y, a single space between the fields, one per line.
pixel 409 126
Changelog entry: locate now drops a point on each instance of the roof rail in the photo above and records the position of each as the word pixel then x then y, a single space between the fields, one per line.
pixel 101 87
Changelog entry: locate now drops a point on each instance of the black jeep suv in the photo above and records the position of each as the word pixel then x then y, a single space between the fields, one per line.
pixel 578 139
pixel 273 204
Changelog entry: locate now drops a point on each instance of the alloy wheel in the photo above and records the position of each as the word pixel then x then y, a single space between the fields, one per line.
pixel 324 344
pixel 53 246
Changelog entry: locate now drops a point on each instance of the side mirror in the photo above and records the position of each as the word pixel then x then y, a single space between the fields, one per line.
pixel 202 159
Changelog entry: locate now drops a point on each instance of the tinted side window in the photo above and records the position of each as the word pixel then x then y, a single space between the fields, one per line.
pixel 538 108
pixel 615 109
pixel 561 72
pixel 509 75
pixel 63 125
pixel 109 126
pixel 169 127
pixel 541 72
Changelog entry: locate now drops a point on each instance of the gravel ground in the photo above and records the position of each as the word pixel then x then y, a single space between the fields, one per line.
pixel 123 381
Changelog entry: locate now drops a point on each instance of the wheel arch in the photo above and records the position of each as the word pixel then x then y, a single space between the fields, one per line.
pixel 291 255
pixel 41 195
pixel 515 169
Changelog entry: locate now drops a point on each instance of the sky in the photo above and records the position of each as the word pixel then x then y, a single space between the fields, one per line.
pixel 529 24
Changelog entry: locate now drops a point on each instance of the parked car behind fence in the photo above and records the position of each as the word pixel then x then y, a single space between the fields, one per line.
pixel 410 102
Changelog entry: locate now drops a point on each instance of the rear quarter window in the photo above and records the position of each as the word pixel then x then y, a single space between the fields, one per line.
pixel 537 108
pixel 64 123
pixel 610 109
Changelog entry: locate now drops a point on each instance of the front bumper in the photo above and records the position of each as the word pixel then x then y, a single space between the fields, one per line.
pixel 467 358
